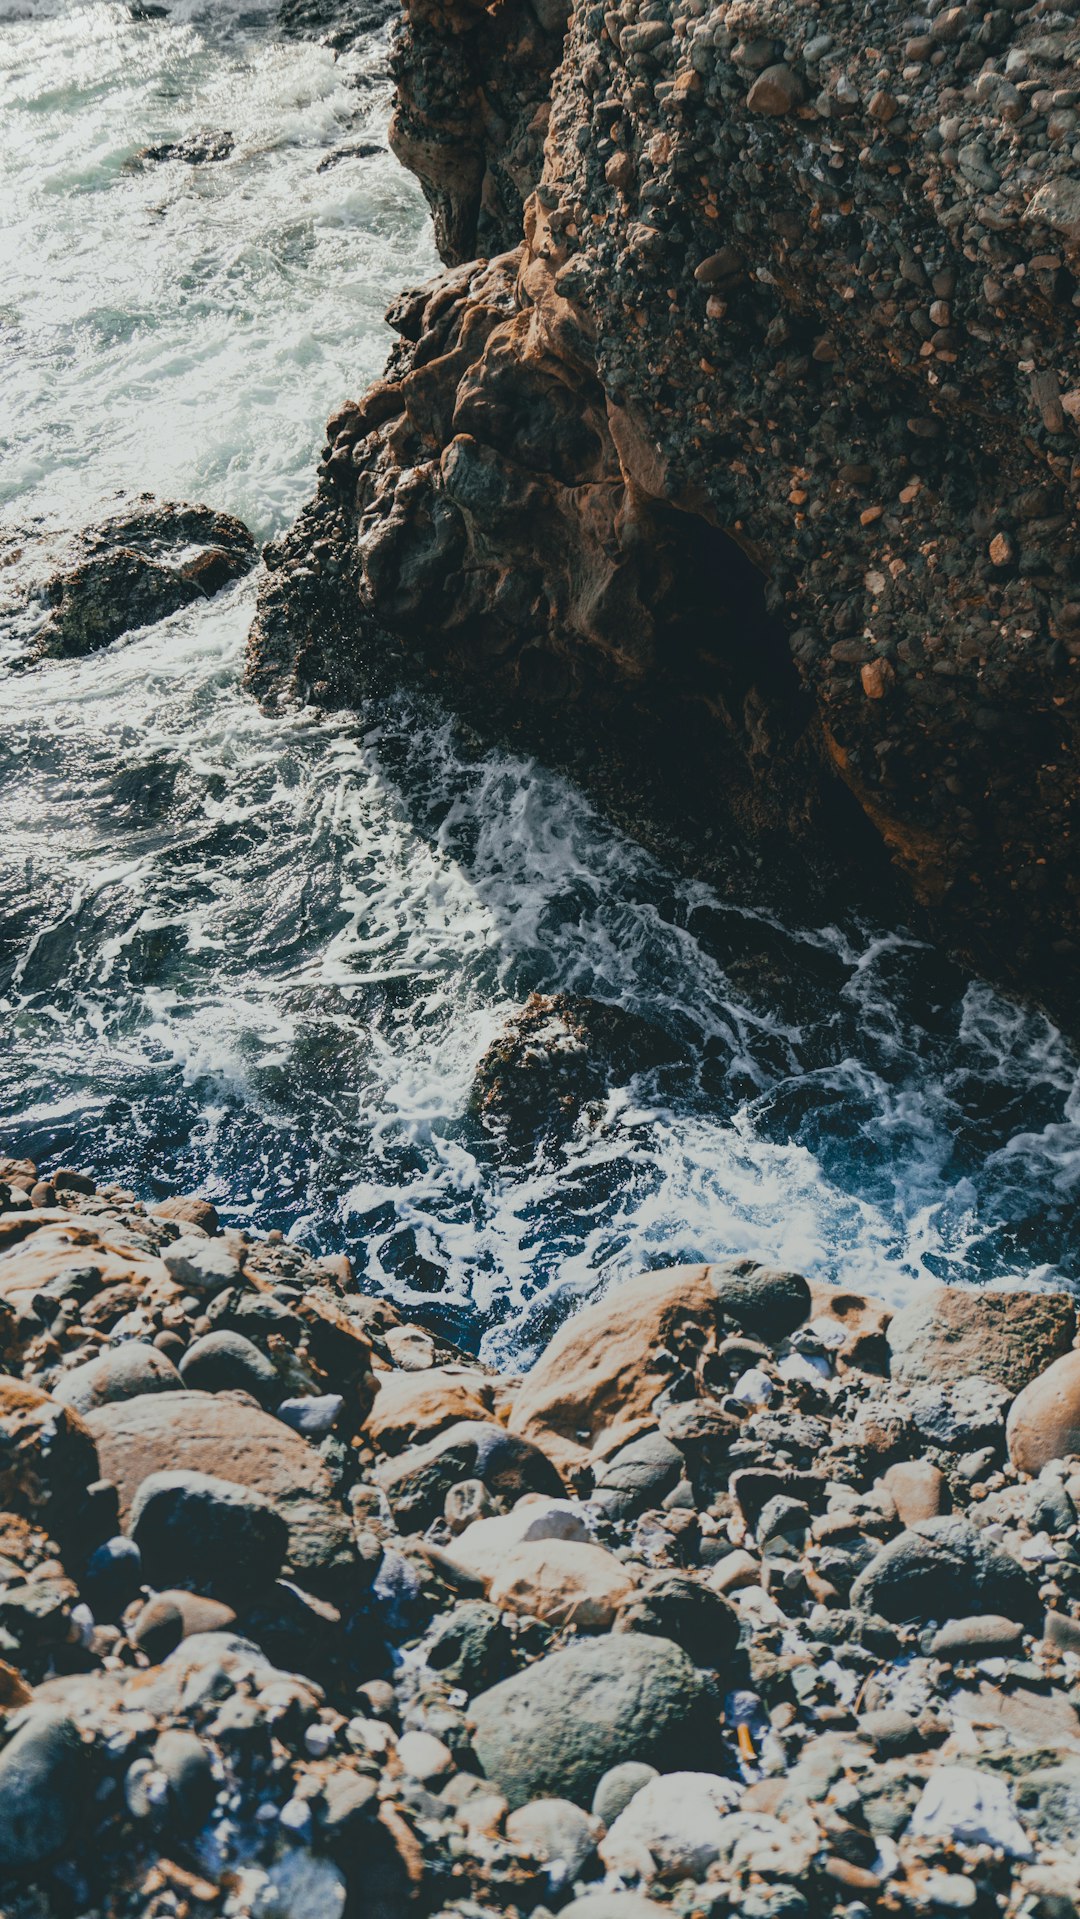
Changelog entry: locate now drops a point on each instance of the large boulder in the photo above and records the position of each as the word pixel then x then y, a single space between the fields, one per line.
pixel 39 1246
pixel 1044 1421
pixel 954 1332
pixel 557 1054
pixel 595 1387
pixel 943 1569
pixel 139 567
pixel 557 1727
pixel 228 1437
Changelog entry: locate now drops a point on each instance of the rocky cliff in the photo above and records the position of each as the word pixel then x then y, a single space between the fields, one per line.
pixel 751 451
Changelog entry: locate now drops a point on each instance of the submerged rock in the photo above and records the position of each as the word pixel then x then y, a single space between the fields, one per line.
pixel 557 1056
pixel 137 568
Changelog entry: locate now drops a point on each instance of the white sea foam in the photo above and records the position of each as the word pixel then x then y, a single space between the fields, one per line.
pixel 262 955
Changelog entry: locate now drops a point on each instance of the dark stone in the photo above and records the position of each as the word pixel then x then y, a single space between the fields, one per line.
pixel 194 1529
pixel 225 1362
pixel 558 1727
pixel 944 1569
pixel 672 1606
pixel 554 1057
pixel 471 1646
pixel 44 1777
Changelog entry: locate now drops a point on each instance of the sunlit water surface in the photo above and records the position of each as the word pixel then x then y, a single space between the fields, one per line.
pixel 261 957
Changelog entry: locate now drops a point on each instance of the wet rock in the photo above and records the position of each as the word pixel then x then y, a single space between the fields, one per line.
pixel 191 1209
pixel 227 1362
pixel 943 1569
pixel 138 568
pixel 45 1771
pixel 123 1372
pixel 195 149
pixel 557 1727
pixel 190 1526
pixel 555 1057
pixel 416 1482
pixel 950 1332
pixel 1044 1420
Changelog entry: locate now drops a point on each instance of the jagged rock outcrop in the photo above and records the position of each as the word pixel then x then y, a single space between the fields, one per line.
pixel 761 451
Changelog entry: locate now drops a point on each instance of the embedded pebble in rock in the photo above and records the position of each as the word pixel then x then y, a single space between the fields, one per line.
pixel 1044 1420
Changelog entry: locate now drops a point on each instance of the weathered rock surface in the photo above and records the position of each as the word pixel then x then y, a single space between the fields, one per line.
pixel 141 566
pixel 755 462
pixel 944 1569
pixel 952 1332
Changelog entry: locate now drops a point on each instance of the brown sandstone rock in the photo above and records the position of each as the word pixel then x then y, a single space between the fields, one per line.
pixel 954 1332
pixel 563 1581
pixel 865 1321
pixel 228 1437
pixel 596 1385
pixel 1044 1421
pixel 411 1407
pixel 191 1208
pixel 34 1247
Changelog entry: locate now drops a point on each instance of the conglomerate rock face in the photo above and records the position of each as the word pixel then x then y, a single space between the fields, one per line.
pixel 762 443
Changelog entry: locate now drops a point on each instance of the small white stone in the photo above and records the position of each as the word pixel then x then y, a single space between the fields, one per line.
pixel 753 1388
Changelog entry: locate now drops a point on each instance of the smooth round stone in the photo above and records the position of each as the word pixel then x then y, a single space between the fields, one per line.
pixel 1044 1421
pixel 188 1767
pixel 199 1264
pixel 123 1372
pixel 158 1628
pixel 313 1417
pixel 917 1489
pixel 424 1757
pixel 112 1578
pixel 556 1831
pixel 226 1362
pixel 617 1788
pixel 983 1636
pixel 43 1778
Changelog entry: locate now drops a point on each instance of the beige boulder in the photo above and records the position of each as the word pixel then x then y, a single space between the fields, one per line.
pixel 863 1320
pixel 413 1406
pixel 562 1581
pixel 228 1436
pixel 485 1545
pixel 954 1332
pixel 1044 1421
pixel 596 1385
pixel 917 1489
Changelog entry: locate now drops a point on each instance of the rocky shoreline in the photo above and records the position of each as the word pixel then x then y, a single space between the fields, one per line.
pixel 741 465
pixel 750 1596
